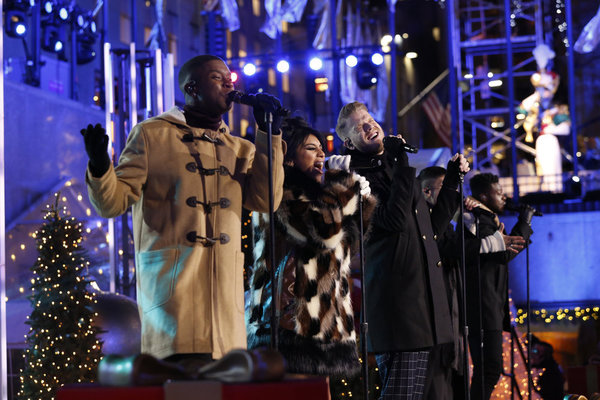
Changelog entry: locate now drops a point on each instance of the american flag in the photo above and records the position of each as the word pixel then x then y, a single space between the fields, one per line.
pixel 439 116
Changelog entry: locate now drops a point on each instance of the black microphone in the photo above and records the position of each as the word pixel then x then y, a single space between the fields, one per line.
pixel 236 96
pixel 394 144
pixel 511 206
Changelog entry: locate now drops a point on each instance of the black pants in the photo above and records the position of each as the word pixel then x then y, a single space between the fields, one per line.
pixel 492 363
pixel 438 383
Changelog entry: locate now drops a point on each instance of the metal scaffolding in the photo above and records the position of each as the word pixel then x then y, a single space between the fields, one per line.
pixel 490 47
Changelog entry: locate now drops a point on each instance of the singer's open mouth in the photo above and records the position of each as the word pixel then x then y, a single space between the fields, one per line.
pixel 373 137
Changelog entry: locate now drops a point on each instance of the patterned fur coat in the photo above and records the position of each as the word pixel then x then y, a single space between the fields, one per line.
pixel 317 228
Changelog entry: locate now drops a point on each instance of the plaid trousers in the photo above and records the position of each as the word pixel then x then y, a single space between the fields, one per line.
pixel 402 374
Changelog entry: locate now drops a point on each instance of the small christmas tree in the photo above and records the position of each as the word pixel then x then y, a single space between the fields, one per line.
pixel 62 342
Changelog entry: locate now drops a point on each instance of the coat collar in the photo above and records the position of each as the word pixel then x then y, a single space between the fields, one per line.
pixel 175 116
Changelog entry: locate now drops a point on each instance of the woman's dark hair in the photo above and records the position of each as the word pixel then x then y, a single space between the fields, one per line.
pixel 295 131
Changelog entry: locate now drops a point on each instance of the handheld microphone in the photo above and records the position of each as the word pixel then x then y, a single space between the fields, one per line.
pixel 511 206
pixel 394 144
pixel 236 96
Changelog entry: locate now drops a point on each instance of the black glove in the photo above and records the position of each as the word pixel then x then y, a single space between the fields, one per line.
pixel 96 144
pixel 394 149
pixel 526 213
pixel 452 177
pixel 264 104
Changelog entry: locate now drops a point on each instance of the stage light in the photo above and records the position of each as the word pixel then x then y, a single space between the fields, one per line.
pixel 411 55
pixel 377 59
pixel 14 20
pixel 63 13
pixel 283 66
pixel 234 76
pixel 351 60
pixel 48 7
pixel 366 74
pixel 315 63
pixel 86 36
pixel 249 69
pixel 386 40
pixel 86 48
pixel 52 38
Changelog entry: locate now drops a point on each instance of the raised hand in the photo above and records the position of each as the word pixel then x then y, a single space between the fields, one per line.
pixel 96 145
pixel 514 244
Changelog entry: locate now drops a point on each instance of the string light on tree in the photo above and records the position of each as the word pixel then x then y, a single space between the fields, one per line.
pixel 62 342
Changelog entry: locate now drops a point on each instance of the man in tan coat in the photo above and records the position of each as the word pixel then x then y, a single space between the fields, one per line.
pixel 186 178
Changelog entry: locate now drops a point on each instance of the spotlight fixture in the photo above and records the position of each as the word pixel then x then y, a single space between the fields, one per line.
pixel 15 24
pixel 377 59
pixel 15 17
pixel 48 7
pixel 351 60
pixel 366 74
pixel 315 63
pixel 86 35
pixel 283 66
pixel 63 13
pixel 52 38
pixel 249 69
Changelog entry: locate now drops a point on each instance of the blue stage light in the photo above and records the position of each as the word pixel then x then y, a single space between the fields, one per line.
pixel 63 13
pixel 351 60
pixel 249 69
pixel 315 63
pixel 283 66
pixel 15 23
pixel 48 7
pixel 377 59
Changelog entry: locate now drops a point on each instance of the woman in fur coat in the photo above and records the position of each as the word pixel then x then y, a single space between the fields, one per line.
pixel 317 233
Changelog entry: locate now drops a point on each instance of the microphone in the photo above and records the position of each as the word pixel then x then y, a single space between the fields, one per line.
pixel 511 206
pixel 236 96
pixel 393 144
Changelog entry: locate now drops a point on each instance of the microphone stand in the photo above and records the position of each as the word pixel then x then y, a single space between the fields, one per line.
pixel 271 260
pixel 364 326
pixel 463 305
pixel 528 363
pixel 480 316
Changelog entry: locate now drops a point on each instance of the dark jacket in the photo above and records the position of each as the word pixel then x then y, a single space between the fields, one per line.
pixel 493 276
pixel 317 231
pixel 407 308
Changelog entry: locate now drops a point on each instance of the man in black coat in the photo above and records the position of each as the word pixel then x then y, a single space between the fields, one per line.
pixel 492 269
pixel 445 379
pixel 407 308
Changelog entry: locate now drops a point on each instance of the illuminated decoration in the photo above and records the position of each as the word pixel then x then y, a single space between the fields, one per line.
pixel 352 388
pixel 321 84
pixel 574 314
pixel 330 143
pixel 63 346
